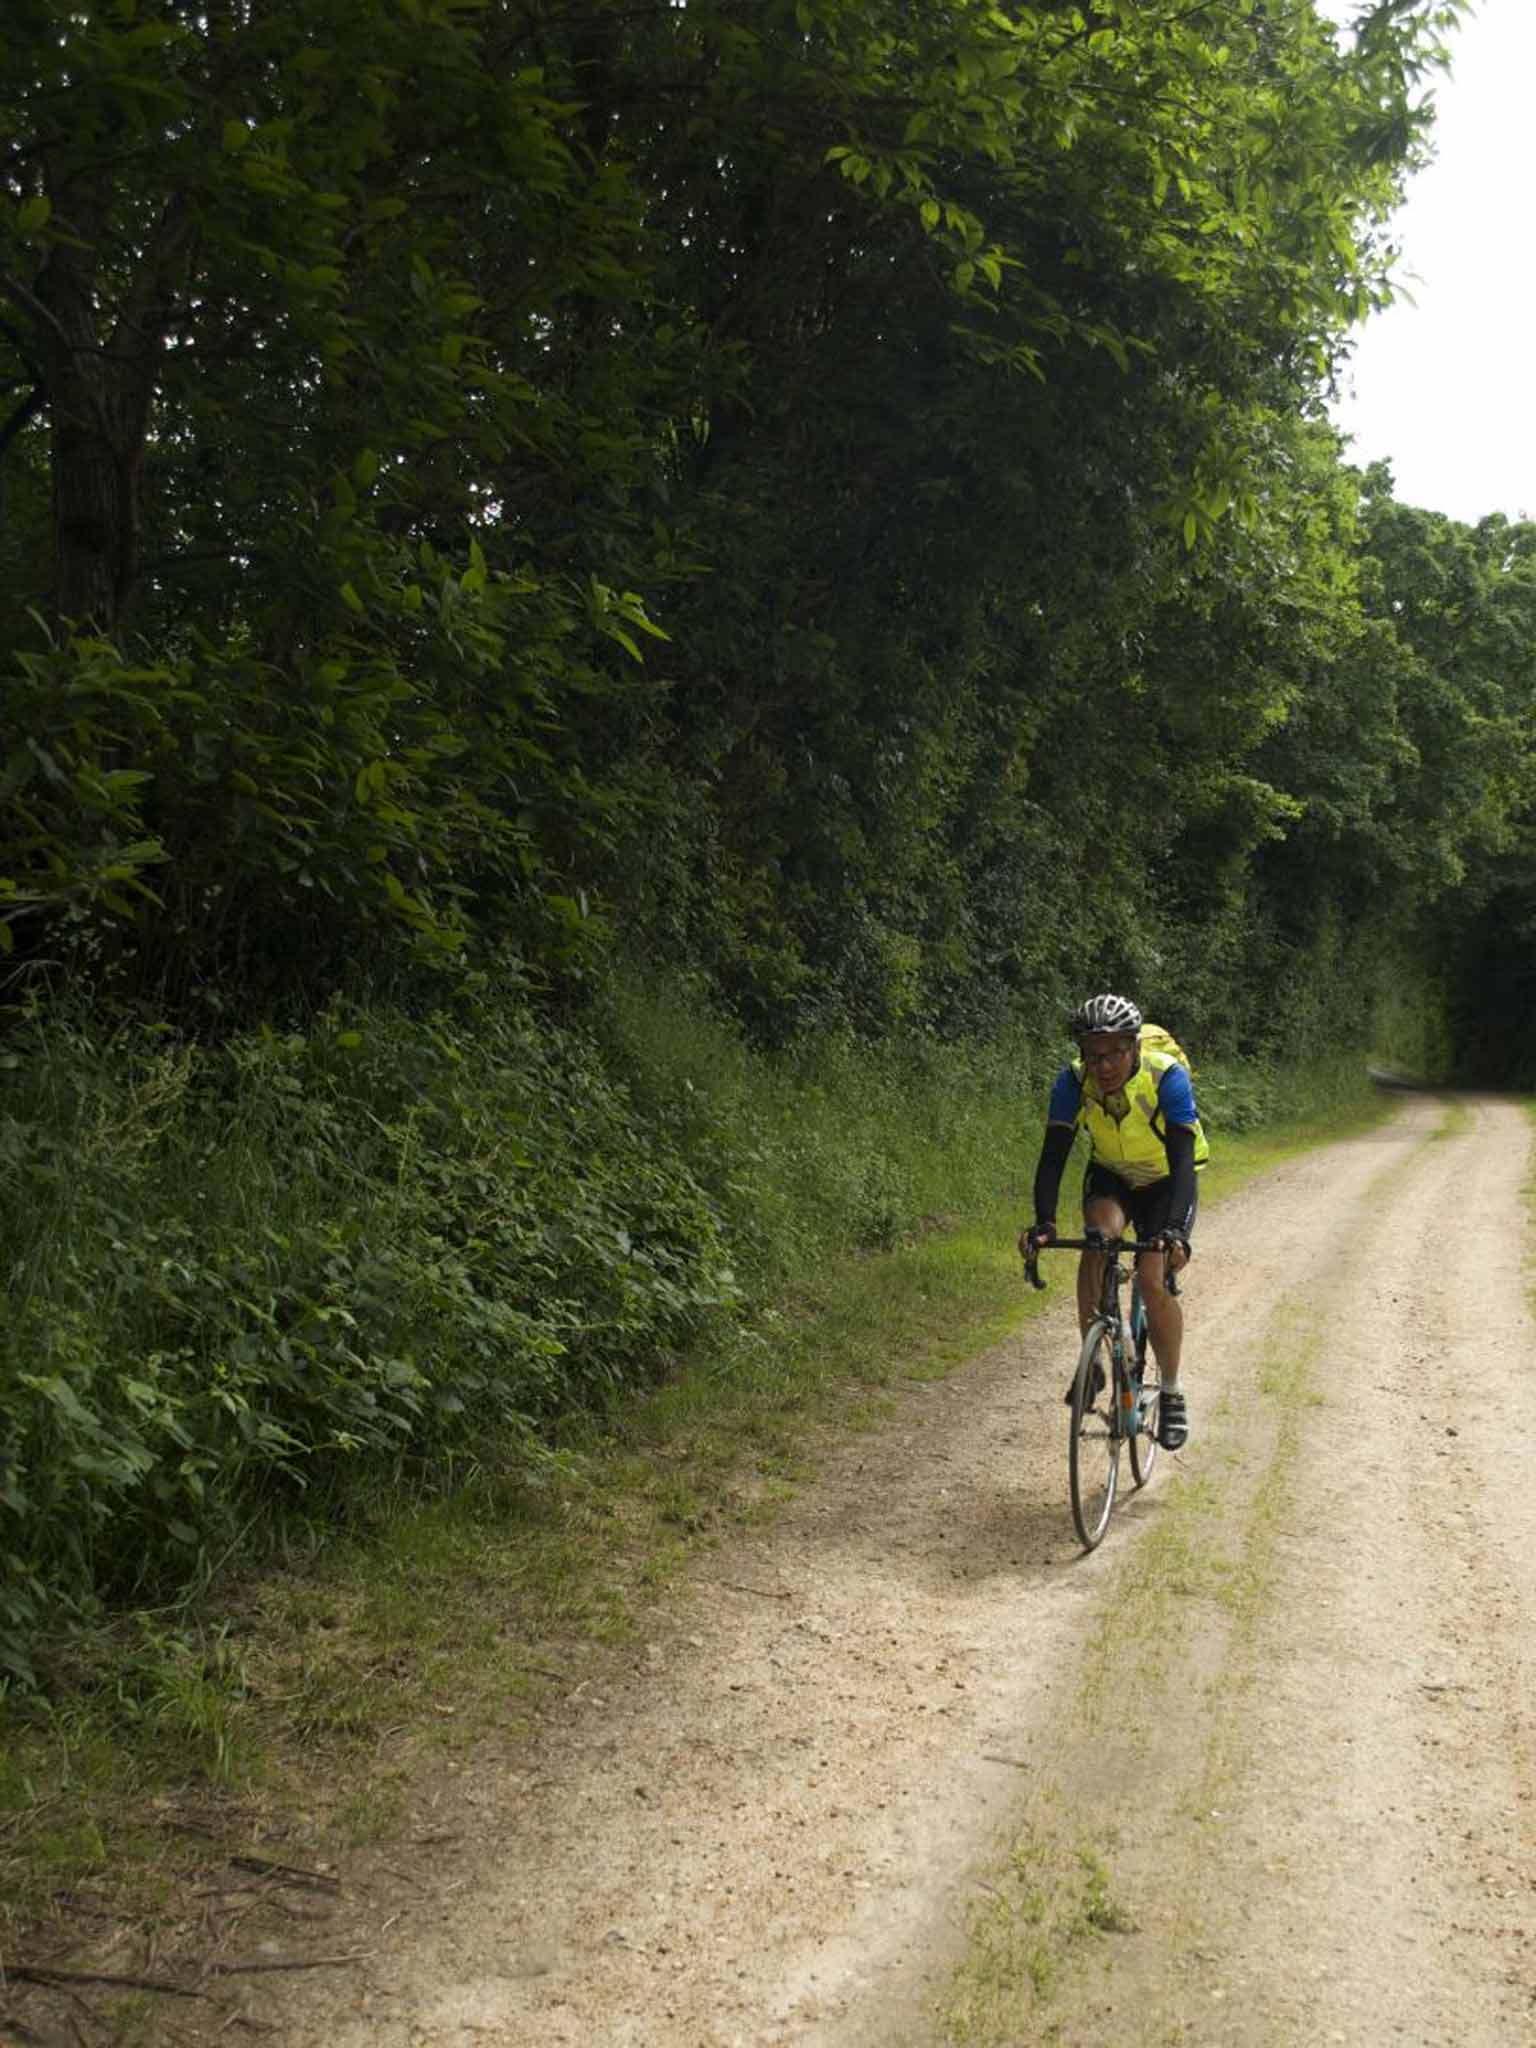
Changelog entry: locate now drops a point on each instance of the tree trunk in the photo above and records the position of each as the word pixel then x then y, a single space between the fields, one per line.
pixel 100 390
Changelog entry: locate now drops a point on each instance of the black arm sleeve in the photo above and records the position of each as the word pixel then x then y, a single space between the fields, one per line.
pixel 1052 1163
pixel 1179 1144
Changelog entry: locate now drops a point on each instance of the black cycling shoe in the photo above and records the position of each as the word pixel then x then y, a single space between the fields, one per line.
pixel 1172 1420
pixel 1095 1387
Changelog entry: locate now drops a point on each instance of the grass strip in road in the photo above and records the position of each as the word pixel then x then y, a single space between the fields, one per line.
pixel 1050 1901
pixel 1456 1121
pixel 427 1626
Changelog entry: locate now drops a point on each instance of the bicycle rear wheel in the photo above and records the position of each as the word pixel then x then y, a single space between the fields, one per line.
pixel 1093 1448
pixel 1149 1402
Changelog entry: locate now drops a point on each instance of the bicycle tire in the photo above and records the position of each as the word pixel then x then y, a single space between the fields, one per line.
pixel 1149 1402
pixel 1093 1448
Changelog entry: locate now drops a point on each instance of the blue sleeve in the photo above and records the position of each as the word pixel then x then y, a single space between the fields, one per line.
pixel 1066 1098
pixel 1176 1096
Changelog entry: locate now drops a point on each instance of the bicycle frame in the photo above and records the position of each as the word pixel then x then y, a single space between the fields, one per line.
pixel 1124 1419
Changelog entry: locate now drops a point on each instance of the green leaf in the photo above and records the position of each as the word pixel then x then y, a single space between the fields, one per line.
pixel 236 136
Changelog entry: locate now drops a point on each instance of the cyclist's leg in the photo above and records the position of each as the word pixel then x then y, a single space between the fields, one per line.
pixel 1165 1318
pixel 1165 1313
pixel 1104 1199
pixel 1106 1207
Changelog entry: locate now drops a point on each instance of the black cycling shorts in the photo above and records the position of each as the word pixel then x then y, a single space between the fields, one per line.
pixel 1147 1207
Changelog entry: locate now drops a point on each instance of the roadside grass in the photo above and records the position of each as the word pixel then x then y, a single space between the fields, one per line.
pixel 304 1699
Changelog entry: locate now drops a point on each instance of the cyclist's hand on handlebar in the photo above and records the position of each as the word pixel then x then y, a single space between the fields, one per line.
pixel 1030 1241
pixel 1176 1244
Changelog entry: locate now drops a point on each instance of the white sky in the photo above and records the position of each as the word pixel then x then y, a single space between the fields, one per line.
pixel 1445 390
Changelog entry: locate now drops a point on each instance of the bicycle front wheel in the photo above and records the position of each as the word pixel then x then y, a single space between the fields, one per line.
pixel 1093 1449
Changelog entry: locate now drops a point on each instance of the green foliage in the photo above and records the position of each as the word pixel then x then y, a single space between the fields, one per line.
pixel 1462 605
pixel 935 376
pixel 247 1280
pixel 283 818
pixel 236 1272
pixel 295 661
pixel 835 1144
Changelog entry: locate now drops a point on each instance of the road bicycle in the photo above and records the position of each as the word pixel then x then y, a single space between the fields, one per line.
pixel 1117 1389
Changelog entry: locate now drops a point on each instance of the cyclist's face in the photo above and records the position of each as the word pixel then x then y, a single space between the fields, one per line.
pixel 1109 1057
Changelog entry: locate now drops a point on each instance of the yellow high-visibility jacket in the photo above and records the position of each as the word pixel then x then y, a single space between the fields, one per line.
pixel 1126 1129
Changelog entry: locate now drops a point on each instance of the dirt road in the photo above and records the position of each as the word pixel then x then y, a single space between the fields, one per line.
pixel 903 1768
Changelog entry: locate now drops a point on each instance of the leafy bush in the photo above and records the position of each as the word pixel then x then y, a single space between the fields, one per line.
pixel 1237 1097
pixel 250 1268
pixel 836 1144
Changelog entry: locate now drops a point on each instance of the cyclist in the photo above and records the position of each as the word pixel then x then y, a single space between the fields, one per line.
pixel 1137 1105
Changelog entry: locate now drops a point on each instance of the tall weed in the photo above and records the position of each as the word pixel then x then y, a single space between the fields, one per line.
pixel 238 1273
pixel 836 1145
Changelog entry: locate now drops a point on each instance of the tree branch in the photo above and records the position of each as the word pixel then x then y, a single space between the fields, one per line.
pixel 21 295
pixel 28 409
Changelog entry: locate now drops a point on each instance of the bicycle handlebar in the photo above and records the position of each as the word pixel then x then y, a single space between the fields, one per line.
pixel 1102 1244
pixel 1099 1243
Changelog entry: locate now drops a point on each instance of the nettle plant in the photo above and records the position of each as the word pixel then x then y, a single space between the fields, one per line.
pixel 243 1276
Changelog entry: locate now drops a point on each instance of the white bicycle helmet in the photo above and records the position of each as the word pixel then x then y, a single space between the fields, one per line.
pixel 1105 1013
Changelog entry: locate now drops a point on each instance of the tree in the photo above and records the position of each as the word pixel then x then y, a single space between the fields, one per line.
pixel 928 372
